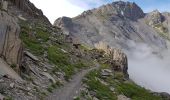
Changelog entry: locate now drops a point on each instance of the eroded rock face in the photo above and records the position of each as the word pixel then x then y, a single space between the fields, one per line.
pixel 10 44
pixel 27 6
pixel 118 59
pixel 23 8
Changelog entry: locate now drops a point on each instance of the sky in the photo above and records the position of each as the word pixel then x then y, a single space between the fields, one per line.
pixel 54 9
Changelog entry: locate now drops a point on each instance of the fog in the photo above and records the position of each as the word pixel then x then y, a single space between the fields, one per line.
pixel 148 69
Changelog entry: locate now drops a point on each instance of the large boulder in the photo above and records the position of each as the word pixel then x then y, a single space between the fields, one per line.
pixel 118 59
pixel 10 44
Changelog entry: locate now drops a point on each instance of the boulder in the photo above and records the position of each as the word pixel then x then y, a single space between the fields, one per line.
pixel 2 97
pixel 30 55
pixel 106 72
pixel 122 97
pixel 4 5
pixel 118 59
pixel 49 77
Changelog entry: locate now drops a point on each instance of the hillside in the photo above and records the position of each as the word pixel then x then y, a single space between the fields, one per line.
pixel 74 59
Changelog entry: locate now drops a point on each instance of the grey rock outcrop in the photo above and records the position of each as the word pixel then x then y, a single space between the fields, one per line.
pixel 118 59
pixel 10 44
pixel 25 8
pixel 154 18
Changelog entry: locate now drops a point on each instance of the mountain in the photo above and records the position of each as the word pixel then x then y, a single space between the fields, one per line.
pixel 117 24
pixel 74 59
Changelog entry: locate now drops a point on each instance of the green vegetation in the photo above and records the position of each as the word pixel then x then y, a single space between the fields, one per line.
pixel 62 61
pixel 50 89
pixel 13 66
pixel 77 98
pixel 136 92
pixel 58 57
pixel 32 44
pixel 53 86
pixel 102 91
pixel 127 88
pixel 33 38
pixel 163 31
pixel 8 98
pixel 42 34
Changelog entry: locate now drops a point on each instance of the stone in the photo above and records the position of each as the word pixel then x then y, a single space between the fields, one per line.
pixel 5 5
pixel 106 72
pixel 28 88
pixel 112 89
pixel 44 69
pixel 2 97
pixel 95 98
pixel 22 18
pixel 1 80
pixel 12 85
pixel 64 51
pixel 49 77
pixel 31 56
pixel 122 97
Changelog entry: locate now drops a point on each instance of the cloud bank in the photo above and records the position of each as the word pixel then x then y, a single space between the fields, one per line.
pixel 148 69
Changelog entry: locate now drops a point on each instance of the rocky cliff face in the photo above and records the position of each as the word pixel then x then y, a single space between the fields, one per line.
pixel 117 24
pixel 25 9
pixel 10 44
pixel 12 12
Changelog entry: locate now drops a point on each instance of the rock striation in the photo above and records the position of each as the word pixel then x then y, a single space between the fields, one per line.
pixel 10 44
pixel 118 59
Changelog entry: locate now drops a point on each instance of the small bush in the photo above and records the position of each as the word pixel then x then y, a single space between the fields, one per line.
pixel 50 89
pixel 13 65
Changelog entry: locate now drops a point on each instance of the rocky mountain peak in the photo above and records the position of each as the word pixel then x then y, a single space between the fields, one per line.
pixel 62 21
pixel 155 18
pixel 128 10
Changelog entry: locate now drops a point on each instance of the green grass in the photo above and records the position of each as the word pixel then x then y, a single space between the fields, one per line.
pixel 136 92
pixel 42 34
pixel 129 89
pixel 58 57
pixel 80 64
pixel 102 91
pixel 50 89
pixel 30 42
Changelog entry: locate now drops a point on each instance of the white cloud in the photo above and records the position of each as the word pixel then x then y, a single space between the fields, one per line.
pixel 54 9
pixel 87 4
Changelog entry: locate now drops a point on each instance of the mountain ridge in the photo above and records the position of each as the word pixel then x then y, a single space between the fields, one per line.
pixel 120 22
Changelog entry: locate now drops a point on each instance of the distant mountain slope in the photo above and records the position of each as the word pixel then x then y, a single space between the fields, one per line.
pixel 117 24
